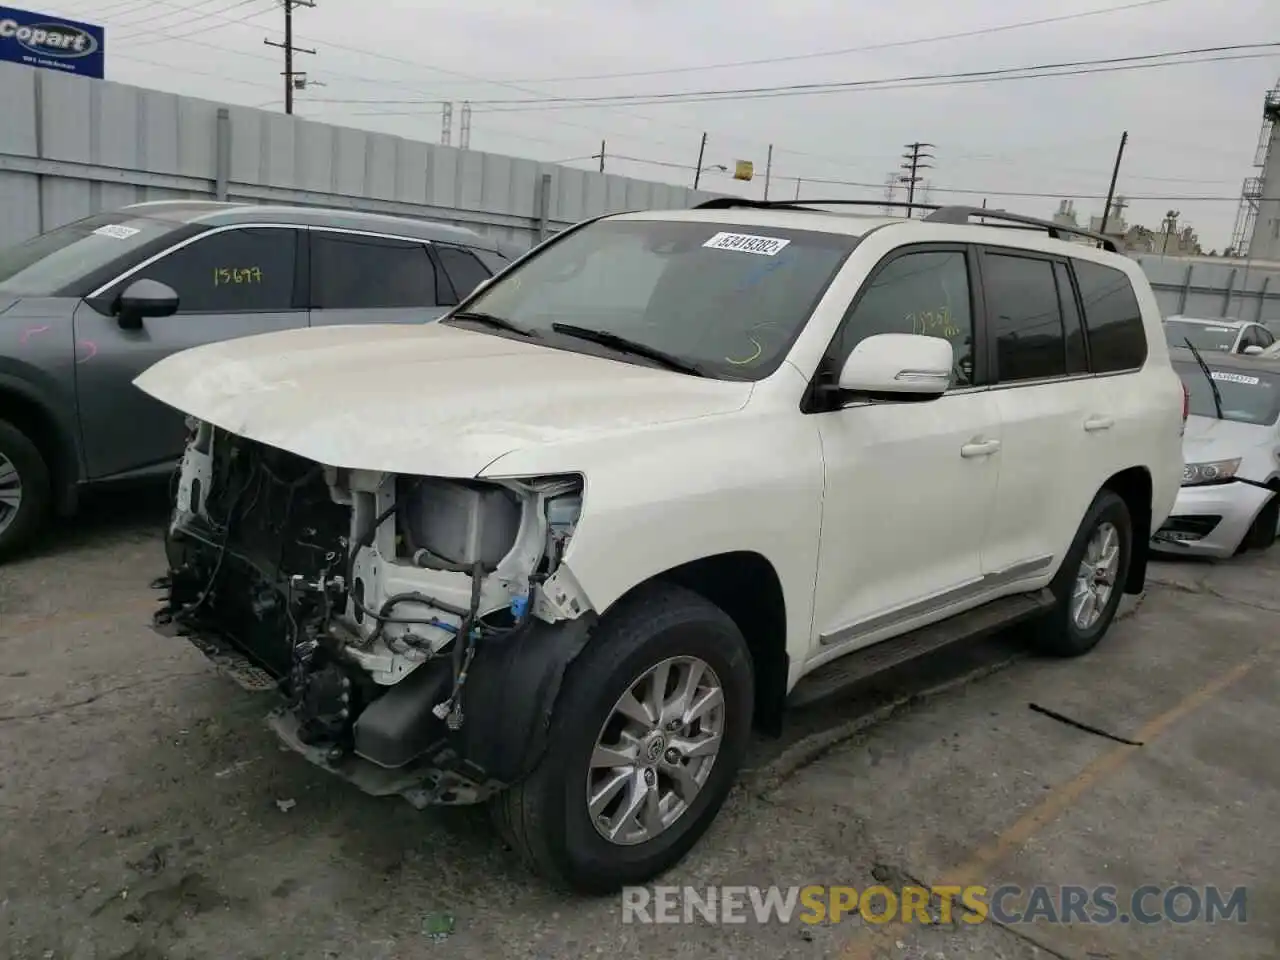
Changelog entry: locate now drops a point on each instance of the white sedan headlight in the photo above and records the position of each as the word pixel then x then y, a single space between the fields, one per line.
pixel 1214 471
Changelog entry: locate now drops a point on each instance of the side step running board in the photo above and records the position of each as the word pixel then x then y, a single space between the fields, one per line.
pixel 835 675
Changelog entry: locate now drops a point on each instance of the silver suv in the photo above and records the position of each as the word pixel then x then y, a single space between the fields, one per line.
pixel 87 307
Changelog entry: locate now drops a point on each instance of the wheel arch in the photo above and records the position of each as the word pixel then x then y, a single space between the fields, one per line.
pixel 28 410
pixel 746 586
pixel 1133 485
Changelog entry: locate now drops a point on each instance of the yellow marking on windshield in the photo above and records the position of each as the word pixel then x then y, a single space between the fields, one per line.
pixel 751 359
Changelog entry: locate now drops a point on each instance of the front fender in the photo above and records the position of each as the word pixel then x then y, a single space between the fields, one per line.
pixel 663 497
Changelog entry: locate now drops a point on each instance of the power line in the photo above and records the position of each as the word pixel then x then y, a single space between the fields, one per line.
pixel 982 31
pixel 840 85
pixel 1029 72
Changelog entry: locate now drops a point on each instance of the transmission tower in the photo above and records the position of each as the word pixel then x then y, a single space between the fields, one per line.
pixel 293 79
pixel 914 161
pixel 446 123
pixel 890 192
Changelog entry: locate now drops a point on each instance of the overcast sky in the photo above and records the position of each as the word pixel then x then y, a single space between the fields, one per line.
pixel 1192 129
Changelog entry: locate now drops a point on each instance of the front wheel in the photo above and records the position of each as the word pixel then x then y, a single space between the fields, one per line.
pixel 1262 533
pixel 24 490
pixel 648 734
pixel 1090 583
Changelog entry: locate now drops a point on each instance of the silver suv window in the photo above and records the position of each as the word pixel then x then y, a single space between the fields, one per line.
pixel 729 299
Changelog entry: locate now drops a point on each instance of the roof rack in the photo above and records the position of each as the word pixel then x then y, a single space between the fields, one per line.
pixel 963 215
pixel 729 203
pixel 938 214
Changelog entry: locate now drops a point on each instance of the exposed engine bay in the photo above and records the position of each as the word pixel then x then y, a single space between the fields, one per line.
pixel 417 627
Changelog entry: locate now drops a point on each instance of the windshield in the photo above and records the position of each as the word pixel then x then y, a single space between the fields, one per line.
pixel 1248 396
pixel 1203 336
pixel 726 300
pixel 43 266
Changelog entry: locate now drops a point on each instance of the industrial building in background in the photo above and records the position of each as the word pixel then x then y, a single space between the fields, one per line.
pixel 1257 230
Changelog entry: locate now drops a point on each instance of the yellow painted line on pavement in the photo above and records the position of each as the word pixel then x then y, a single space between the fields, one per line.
pixel 864 943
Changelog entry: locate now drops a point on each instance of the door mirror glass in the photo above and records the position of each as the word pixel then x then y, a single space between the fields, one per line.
pixel 904 363
pixel 1252 350
pixel 143 299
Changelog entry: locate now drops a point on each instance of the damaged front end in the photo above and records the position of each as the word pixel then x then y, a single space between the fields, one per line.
pixel 418 628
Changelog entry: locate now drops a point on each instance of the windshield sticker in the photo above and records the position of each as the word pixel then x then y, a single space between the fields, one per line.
pixel 1236 378
pixel 116 231
pixel 747 243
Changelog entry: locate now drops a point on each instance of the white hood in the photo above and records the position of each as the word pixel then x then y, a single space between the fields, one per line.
pixel 429 400
pixel 1207 439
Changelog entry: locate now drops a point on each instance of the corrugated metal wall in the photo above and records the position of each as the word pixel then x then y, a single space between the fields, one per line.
pixel 1209 287
pixel 70 147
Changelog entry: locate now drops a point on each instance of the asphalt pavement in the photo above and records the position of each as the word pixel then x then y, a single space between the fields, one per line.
pixel 147 813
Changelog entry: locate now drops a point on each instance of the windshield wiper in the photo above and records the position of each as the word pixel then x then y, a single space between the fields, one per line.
pixel 626 345
pixel 492 320
pixel 1208 375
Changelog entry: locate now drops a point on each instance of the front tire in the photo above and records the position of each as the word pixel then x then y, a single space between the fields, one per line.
pixel 1262 533
pixel 648 734
pixel 1090 583
pixel 24 490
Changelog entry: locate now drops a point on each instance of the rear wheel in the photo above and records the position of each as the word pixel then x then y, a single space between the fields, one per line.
pixel 1262 534
pixel 1090 582
pixel 24 490
pixel 648 735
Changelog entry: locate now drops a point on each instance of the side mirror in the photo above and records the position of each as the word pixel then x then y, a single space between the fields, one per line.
pixel 143 299
pixel 1252 350
pixel 899 363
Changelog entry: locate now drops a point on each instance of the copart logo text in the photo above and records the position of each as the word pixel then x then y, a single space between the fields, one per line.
pixel 50 39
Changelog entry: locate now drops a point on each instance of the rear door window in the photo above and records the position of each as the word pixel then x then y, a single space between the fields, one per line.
pixel 1112 317
pixel 1025 317
pixel 245 270
pixel 351 272
pixel 463 268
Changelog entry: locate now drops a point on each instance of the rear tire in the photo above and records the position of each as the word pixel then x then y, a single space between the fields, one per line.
pixel 1085 609
pixel 662 630
pixel 25 492
pixel 1262 534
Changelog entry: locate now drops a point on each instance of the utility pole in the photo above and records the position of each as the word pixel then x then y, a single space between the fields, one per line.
pixel 1111 190
pixel 797 188
pixel 291 77
pixel 768 171
pixel 446 123
pixel 464 128
pixel 702 150
pixel 913 162
pixel 600 155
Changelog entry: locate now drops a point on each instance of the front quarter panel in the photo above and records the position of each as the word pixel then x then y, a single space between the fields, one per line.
pixel 38 354
pixel 660 498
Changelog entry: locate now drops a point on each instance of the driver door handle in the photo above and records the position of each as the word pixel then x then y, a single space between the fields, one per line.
pixel 979 448
pixel 1098 422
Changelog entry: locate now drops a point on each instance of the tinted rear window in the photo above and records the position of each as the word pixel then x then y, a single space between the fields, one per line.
pixel 1203 336
pixel 1117 339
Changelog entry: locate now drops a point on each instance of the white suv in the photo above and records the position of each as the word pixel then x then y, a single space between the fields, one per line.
pixel 666 475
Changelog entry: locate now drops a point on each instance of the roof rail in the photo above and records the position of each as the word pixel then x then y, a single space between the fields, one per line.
pixel 963 215
pixel 729 203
